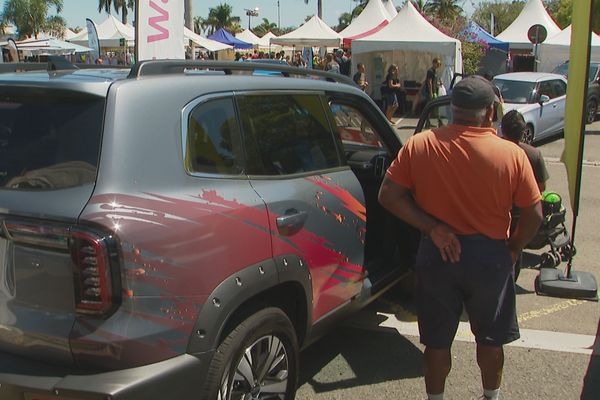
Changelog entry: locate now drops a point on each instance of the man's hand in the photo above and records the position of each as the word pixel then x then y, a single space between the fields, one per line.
pixel 446 241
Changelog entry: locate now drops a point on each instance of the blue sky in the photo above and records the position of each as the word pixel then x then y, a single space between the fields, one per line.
pixel 292 12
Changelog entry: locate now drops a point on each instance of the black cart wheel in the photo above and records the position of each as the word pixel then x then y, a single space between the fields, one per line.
pixel 549 260
pixel 257 361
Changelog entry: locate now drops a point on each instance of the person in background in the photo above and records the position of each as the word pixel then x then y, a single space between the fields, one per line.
pixel 513 126
pixel 331 64
pixel 457 185
pixel 429 88
pixel 360 78
pixel 391 85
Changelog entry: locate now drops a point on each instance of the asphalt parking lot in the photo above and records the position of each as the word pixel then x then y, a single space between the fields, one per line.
pixel 376 353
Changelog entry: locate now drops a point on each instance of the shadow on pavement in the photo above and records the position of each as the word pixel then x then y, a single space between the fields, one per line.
pixel 591 382
pixel 373 356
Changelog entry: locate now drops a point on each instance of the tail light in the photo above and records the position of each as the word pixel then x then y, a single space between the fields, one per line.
pixel 94 286
pixel 94 255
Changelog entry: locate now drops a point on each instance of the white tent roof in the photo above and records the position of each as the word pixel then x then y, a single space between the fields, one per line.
pixel 371 17
pixel 533 13
pixel 109 33
pixel 50 46
pixel 69 34
pixel 208 44
pixel 313 32
pixel 390 8
pixel 407 33
pixel 248 36
pixel 555 50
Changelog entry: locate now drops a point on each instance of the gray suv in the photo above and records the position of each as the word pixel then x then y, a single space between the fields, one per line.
pixel 181 229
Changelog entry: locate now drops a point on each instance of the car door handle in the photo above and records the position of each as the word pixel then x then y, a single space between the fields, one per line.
pixel 292 222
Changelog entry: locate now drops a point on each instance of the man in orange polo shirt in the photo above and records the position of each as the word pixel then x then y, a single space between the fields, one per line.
pixel 457 185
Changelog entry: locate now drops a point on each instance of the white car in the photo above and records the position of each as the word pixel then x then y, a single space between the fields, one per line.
pixel 540 97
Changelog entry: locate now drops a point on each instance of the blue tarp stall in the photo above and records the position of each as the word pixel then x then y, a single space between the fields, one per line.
pixel 223 36
pixel 475 33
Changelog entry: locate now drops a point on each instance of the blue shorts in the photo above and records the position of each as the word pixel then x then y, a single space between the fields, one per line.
pixel 391 99
pixel 482 281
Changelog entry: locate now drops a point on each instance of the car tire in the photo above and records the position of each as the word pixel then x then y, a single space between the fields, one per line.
pixel 591 109
pixel 528 134
pixel 257 360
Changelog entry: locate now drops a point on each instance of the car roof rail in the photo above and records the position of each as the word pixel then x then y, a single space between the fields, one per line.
pixel 22 67
pixel 164 67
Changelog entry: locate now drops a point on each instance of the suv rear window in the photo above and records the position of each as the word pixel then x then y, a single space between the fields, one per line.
pixel 49 139
pixel 288 134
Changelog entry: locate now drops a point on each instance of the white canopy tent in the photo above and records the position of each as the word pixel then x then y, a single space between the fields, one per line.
pixel 110 34
pixel 390 8
pixel 205 43
pixel 410 42
pixel 50 46
pixel 372 19
pixel 313 33
pixel 555 50
pixel 248 36
pixel 533 13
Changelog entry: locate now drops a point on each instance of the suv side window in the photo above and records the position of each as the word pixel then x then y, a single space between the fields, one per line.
pixel 286 134
pixel 353 127
pixel 213 144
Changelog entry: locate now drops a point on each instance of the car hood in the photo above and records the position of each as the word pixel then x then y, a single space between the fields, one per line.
pixel 522 108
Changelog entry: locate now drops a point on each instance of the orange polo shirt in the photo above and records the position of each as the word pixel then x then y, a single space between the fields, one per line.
pixel 466 177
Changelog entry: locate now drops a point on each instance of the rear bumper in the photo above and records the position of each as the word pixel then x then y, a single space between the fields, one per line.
pixel 180 377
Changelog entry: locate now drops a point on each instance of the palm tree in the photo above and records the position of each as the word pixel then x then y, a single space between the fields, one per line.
pixel 444 10
pixel 120 6
pixel 200 25
pixel 30 17
pixel 220 17
pixel 319 7
pixel 265 27
pixel 420 5
pixel 188 14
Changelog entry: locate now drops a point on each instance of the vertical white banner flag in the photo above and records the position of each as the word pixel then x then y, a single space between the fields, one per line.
pixel 160 29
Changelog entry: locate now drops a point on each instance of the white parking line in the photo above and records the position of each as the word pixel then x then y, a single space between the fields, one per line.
pixel 530 338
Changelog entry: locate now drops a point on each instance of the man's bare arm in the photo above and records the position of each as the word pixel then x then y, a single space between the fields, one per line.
pixel 530 219
pixel 399 201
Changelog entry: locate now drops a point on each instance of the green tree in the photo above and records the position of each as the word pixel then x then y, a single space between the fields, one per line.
pixel 471 56
pixel 201 25
pixel 120 6
pixel 344 20
pixel 264 27
pixel 444 10
pixel 504 14
pixel 30 17
pixel 220 17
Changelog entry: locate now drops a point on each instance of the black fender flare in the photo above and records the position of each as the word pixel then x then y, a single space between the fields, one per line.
pixel 241 287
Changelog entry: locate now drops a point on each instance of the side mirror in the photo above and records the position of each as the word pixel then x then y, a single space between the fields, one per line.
pixel 544 99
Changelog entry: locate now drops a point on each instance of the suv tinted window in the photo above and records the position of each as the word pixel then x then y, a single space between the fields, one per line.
pixel 213 144
pixel 353 127
pixel 49 139
pixel 287 134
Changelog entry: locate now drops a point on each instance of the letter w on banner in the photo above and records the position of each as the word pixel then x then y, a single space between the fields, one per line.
pixel 159 32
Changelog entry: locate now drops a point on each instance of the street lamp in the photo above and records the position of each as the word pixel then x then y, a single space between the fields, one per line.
pixel 251 13
pixel 278 16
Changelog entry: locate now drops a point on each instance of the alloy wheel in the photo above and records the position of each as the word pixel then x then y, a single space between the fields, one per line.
pixel 260 374
pixel 591 110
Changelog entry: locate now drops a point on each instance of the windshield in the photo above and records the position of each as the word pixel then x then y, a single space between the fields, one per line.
pixel 563 69
pixel 518 92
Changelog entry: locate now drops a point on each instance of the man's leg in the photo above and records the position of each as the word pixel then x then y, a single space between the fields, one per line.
pixel 438 363
pixel 491 361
